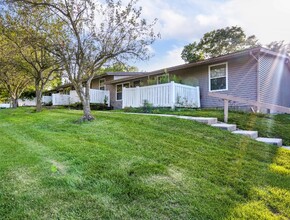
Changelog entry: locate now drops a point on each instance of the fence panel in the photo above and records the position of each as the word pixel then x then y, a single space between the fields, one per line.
pixel 157 95
pixel 5 105
pixel 73 97
pixel 59 99
pixel 100 96
pixel 187 96
pixel 96 96
pixel 32 102
pixel 163 95
pixel 46 99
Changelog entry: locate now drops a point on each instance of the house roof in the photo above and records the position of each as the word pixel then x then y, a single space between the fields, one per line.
pixel 123 73
pixel 253 51
pixel 138 75
pixel 100 76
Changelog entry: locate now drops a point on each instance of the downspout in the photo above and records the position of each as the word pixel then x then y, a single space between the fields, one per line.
pixel 258 77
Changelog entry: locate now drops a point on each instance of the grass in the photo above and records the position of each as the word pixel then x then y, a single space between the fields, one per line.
pixel 275 126
pixel 135 167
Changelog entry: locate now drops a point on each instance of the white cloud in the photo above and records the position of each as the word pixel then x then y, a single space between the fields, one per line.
pixel 268 20
pixel 207 20
pixel 185 21
pixel 190 19
pixel 171 58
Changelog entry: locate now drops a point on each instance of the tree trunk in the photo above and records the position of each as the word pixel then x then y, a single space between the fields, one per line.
pixel 14 102
pixel 38 91
pixel 86 106
pixel 87 111
pixel 84 95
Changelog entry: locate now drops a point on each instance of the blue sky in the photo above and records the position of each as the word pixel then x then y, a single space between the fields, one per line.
pixel 183 21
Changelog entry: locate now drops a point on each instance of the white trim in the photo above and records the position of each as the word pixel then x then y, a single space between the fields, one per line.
pixel 209 78
pixel 122 84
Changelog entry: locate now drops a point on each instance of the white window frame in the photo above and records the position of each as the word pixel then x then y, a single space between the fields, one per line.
pixel 103 79
pixel 122 90
pixel 163 75
pixel 209 78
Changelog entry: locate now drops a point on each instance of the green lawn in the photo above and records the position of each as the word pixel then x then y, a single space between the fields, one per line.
pixel 135 167
pixel 268 125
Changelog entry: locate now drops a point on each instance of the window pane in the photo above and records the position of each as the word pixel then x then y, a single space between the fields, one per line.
pixel 218 71
pixel 102 83
pixel 119 96
pixel 119 88
pixel 218 83
pixel 126 85
pixel 136 83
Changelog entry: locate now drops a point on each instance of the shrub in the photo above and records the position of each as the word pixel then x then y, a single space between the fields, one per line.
pixel 95 106
pixel 147 107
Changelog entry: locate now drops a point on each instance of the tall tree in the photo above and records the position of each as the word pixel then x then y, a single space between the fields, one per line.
pixel 13 80
pixel 95 34
pixel 14 83
pixel 218 42
pixel 28 31
pixel 118 67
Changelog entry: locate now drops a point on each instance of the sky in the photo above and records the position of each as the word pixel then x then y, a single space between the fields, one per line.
pixel 181 22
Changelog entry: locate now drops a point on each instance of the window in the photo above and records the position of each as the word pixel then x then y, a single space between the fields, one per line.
pixel 163 79
pixel 218 77
pixel 119 89
pixel 102 85
pixel 136 83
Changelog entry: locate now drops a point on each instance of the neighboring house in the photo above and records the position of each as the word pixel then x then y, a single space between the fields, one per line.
pixel 98 82
pixel 257 74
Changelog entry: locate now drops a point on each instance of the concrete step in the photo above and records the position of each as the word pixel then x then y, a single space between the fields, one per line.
pixel 273 141
pixel 203 120
pixel 250 134
pixel 223 126
pixel 286 147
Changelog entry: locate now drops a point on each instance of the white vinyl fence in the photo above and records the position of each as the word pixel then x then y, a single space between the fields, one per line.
pixel 60 99
pixel 163 95
pixel 100 96
pixel 96 96
pixel 5 105
pixel 32 102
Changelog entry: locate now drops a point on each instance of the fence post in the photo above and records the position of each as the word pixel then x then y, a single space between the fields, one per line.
pixel 226 110
pixel 53 98
pixel 172 92
pixel 138 97
pixel 109 98
pixel 198 96
pixel 123 97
